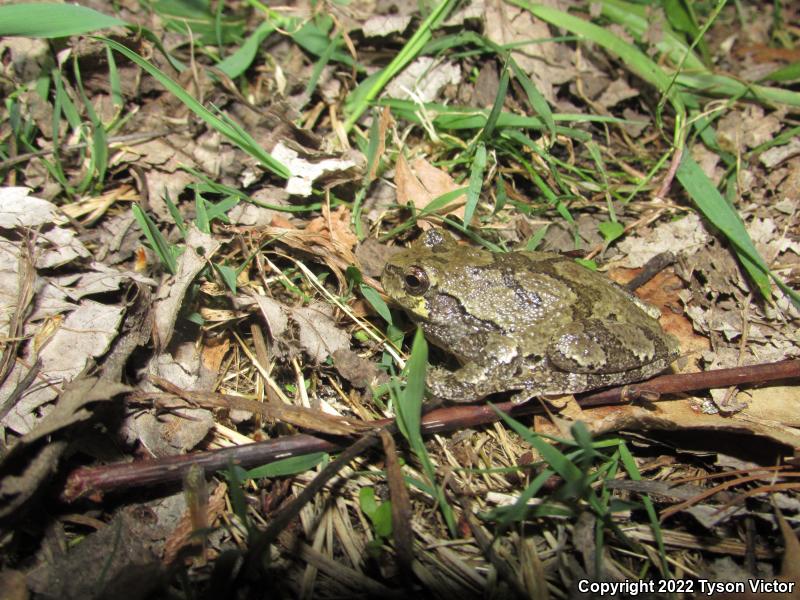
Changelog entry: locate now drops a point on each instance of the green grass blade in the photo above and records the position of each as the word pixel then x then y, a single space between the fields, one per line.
pixel 234 133
pixel 228 275
pixel 634 18
pixel 324 59
pixel 456 118
pixel 201 219
pixel 787 74
pixel 377 303
pixel 497 107
pixel 175 213
pixel 694 75
pixel 475 183
pixel 238 62
pixel 158 242
pixel 711 203
pixel 409 417
pixel 633 472
pixel 557 460
pixel 287 466
pixel 409 406
pixel 727 87
pixel 405 56
pixel 114 81
pixel 633 58
pixel 537 101
pixel 314 37
pixel 52 20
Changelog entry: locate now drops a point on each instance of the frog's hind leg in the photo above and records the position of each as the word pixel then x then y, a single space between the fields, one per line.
pixel 599 346
pixel 469 383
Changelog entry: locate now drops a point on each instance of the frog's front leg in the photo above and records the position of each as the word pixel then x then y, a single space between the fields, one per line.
pixel 487 373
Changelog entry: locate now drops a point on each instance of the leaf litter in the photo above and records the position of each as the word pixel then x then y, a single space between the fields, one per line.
pixel 264 333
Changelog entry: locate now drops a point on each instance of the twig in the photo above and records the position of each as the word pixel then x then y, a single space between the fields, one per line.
pixel 687 382
pixel 94 481
pixel 651 268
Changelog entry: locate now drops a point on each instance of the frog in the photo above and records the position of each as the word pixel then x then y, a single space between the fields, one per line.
pixel 526 322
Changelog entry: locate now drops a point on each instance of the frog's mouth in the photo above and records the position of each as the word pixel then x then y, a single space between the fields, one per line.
pixel 417 305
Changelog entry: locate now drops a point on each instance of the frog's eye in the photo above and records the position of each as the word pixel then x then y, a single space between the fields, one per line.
pixel 416 281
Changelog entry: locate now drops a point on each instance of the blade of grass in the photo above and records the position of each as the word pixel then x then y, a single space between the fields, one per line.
pixel 497 107
pixel 462 117
pixel 374 143
pixel 693 74
pixel 635 19
pixel 537 101
pixel 221 188
pixel 632 57
pixel 629 463
pixel 238 62
pixel 475 183
pixel 711 203
pixel 233 132
pixel 405 56
pixel 288 466
pixel 52 20
pixel 409 416
pixel 158 242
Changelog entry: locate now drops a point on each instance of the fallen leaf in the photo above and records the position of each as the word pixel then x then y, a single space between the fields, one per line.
pixel 86 333
pixel 319 335
pixel 772 157
pixel 71 406
pixel 424 79
pixel 359 371
pixel 618 91
pixel 108 568
pixel 200 247
pixel 772 418
pixel 383 25
pixel 688 235
pixel 317 332
pixel 305 172
pixel 424 183
pixel 19 209
pixel 275 315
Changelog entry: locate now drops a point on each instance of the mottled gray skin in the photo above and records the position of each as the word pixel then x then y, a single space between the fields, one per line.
pixel 534 322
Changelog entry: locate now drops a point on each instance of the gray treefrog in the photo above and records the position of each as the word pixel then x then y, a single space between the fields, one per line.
pixel 531 322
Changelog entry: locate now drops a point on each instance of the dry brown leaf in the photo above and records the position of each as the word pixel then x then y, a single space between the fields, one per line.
pixel 402 532
pixel 84 335
pixel 200 247
pixel 618 91
pixel 424 79
pixel 72 405
pixel 113 562
pixel 686 235
pixel 421 182
pixel 17 488
pixel 304 171
pixel 336 225
pixel 383 25
pixel 786 584
pixel 318 333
